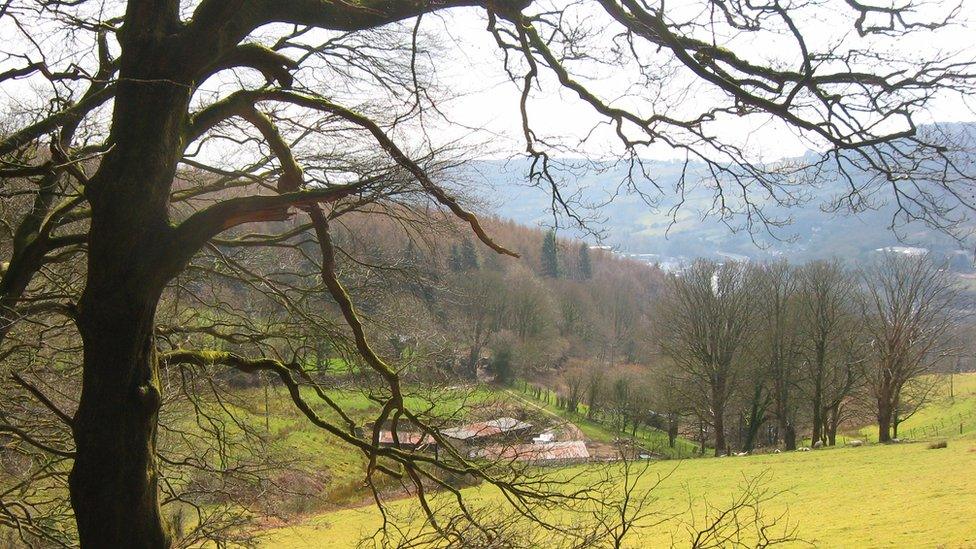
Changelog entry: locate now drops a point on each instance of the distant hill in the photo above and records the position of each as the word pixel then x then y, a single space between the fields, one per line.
pixel 631 226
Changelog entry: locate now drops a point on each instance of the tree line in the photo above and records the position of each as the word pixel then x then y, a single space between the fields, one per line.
pixel 474 315
pixel 750 355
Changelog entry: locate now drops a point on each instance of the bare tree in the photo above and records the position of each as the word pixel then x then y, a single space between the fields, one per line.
pixel 574 382
pixel 776 351
pixel 596 389
pixel 668 398
pixel 708 319
pixel 831 339
pixel 908 308
pixel 482 314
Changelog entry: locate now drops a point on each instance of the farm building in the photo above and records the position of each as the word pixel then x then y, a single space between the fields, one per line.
pixel 407 440
pixel 483 431
pixel 546 453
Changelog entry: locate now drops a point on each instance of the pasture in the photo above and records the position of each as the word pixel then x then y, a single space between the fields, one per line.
pixel 897 495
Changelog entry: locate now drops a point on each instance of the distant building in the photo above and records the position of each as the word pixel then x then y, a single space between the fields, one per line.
pixel 735 258
pixel 907 250
pixel 407 440
pixel 486 430
pixel 548 436
pixel 546 453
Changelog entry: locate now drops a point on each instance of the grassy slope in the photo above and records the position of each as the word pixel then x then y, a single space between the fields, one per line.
pixel 877 496
pixel 894 496
pixel 944 418
pixel 293 437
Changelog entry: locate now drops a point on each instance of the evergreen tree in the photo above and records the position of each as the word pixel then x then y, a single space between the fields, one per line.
pixel 550 255
pixel 469 255
pixel 454 261
pixel 585 267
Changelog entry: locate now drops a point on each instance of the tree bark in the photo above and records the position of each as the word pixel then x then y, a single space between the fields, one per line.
pixel 789 437
pixel 786 430
pixel 757 416
pixel 719 423
pixel 782 414
pixel 132 254
pixel 884 421
pixel 718 398
pixel 113 482
pixel 818 417
pixel 833 424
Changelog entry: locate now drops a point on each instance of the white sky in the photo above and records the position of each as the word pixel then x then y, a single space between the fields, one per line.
pixel 488 100
pixel 485 104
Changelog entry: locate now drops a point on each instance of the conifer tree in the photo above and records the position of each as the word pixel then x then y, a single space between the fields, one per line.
pixel 454 261
pixel 550 255
pixel 585 267
pixel 468 256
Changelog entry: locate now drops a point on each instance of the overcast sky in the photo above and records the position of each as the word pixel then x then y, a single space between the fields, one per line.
pixel 484 105
pixel 489 101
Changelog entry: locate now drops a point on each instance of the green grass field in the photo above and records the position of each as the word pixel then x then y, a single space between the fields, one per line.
pixel 944 418
pixel 899 495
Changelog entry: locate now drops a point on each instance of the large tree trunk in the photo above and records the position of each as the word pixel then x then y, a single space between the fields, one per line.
pixel 113 483
pixel 782 414
pixel 895 419
pixel 833 424
pixel 785 429
pixel 719 422
pixel 757 416
pixel 818 415
pixel 884 421
pixel 789 437
pixel 131 256
pixel 718 414
pixel 114 480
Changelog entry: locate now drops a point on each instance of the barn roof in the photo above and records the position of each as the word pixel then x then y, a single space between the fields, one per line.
pixel 548 451
pixel 406 438
pixel 486 428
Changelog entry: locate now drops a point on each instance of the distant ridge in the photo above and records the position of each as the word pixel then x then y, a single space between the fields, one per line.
pixel 630 226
